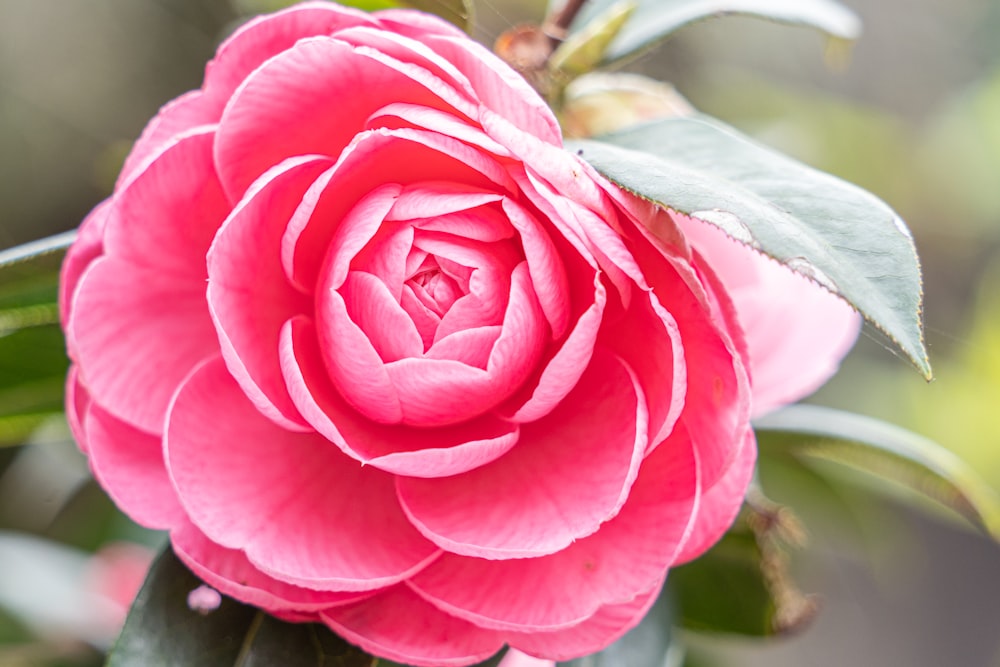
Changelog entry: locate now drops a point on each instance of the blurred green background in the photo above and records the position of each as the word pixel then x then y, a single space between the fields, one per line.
pixel 911 112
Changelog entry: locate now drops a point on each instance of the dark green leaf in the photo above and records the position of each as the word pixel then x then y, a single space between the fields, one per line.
pixel 267 6
pixel 724 590
pixel 162 631
pixel 835 233
pixel 742 585
pixel 887 451
pixel 646 645
pixel 655 20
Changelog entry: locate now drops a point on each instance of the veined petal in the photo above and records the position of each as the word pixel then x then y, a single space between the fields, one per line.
pixel 543 495
pixel 301 511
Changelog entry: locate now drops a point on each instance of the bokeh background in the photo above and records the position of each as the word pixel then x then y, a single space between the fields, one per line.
pixel 911 112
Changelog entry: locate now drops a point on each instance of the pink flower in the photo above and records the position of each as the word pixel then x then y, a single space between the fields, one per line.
pixel 447 388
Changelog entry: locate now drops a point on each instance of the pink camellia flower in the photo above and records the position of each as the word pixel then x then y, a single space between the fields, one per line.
pixel 379 353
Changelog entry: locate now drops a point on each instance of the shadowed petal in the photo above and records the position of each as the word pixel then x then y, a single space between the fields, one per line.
pixel 397 624
pixel 229 571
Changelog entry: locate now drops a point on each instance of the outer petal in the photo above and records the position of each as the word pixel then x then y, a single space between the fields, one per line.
pixel 129 466
pixel 229 571
pixel 89 245
pixel 301 510
pixel 796 330
pixel 571 471
pixel 628 555
pixel 284 108
pixel 249 306
pixel 140 322
pixel 398 625
pixel 593 635
pixel 138 334
pixel 721 503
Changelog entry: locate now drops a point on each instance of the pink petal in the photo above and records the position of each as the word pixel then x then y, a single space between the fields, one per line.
pixel 180 115
pixel 436 392
pixel 229 571
pixel 439 452
pixel 77 406
pixel 790 321
pixel 301 511
pixel 284 108
pixel 569 473
pixel 649 339
pixel 372 308
pixel 128 463
pixel 138 333
pixel 415 24
pixel 399 626
pixel 168 214
pixel 433 200
pixel 375 159
pixel 721 503
pixel 595 634
pixel 514 658
pixel 627 556
pixel 717 398
pixel 500 89
pixel 250 306
pixel 399 114
pixel 263 37
pixel 139 321
pixel 354 364
pixel 548 276
pixel 88 246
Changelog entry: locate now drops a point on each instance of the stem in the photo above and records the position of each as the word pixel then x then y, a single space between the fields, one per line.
pixel 557 25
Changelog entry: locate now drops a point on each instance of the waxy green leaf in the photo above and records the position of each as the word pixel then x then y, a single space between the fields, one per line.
pixel 834 233
pixel 162 631
pixel 887 451
pixel 655 20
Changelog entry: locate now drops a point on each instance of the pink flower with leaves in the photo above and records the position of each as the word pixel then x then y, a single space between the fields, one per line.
pixel 377 352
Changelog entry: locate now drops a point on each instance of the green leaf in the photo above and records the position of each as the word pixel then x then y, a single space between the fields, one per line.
pixel 646 645
pixel 162 631
pixel 33 359
pixel 655 20
pixel 742 585
pixel 889 452
pixel 584 49
pixel 835 233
